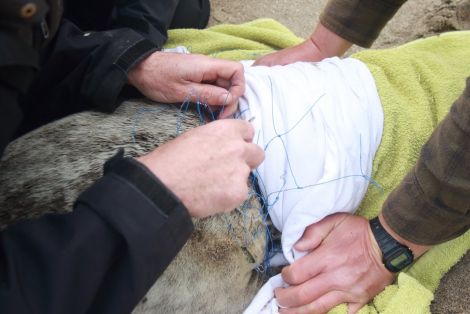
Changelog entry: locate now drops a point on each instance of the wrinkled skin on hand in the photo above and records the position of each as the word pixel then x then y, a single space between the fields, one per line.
pixel 344 265
pixel 306 51
pixel 208 167
pixel 173 77
pixel 322 44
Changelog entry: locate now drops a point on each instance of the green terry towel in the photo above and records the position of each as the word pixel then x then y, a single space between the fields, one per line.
pixel 417 84
pixel 235 42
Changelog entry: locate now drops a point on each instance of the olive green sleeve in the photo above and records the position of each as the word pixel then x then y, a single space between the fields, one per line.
pixel 359 21
pixel 432 204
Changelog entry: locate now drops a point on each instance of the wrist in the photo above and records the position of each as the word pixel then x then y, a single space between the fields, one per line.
pixel 160 169
pixel 392 250
pixel 136 74
pixel 142 178
pixel 417 249
pixel 328 43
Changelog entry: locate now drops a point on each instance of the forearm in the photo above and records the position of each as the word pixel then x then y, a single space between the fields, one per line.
pixel 432 204
pixel 102 258
pixel 359 21
pixel 88 70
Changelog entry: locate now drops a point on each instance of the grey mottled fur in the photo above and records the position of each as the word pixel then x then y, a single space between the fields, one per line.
pixel 45 170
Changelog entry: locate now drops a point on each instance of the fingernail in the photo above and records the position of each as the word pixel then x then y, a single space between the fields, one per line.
pixel 224 99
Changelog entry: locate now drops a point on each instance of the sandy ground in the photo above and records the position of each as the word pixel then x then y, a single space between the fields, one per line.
pixel 417 18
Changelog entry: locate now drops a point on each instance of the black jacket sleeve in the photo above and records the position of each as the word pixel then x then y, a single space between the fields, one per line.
pixel 102 257
pixel 85 66
pixel 82 71
pixel 19 61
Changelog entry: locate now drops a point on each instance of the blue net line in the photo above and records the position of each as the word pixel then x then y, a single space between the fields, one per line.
pixel 205 115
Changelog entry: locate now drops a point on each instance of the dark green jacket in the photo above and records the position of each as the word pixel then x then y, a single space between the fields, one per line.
pixel 432 204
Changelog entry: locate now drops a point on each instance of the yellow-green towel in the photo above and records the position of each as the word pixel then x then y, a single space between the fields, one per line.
pixel 417 84
pixel 235 42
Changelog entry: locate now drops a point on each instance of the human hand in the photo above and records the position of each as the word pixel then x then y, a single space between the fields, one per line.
pixel 173 77
pixel 344 265
pixel 306 51
pixel 322 44
pixel 208 167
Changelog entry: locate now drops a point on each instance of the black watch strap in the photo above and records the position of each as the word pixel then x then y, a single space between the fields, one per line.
pixel 395 255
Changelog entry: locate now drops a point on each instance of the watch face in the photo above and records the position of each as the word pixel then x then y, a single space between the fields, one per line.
pixel 399 260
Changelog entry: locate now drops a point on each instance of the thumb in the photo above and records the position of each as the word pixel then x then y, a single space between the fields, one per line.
pixel 217 97
pixel 213 95
pixel 317 232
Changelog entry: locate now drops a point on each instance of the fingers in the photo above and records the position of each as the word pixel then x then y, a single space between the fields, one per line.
pixel 227 111
pixel 303 269
pixel 232 72
pixel 238 193
pixel 267 60
pixel 254 155
pixel 211 94
pixel 244 128
pixel 233 128
pixel 313 263
pixel 305 51
pixel 320 305
pixel 315 233
pixel 217 97
pixel 306 292
pixel 228 76
pixel 281 57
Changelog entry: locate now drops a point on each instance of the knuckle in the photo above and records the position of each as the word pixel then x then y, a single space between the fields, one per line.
pixel 359 294
pixel 259 157
pixel 242 194
pixel 236 148
pixel 250 130
pixel 303 295
pixel 289 275
pixel 359 297
pixel 363 298
pixel 229 124
pixel 245 171
pixel 321 307
pixel 245 126
pixel 238 67
pixel 224 127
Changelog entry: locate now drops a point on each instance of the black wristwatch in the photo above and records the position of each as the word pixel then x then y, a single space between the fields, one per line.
pixel 395 255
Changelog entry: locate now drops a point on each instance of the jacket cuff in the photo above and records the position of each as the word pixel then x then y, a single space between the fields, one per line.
pixel 415 218
pixel 144 180
pixel 359 21
pixel 134 54
pixel 151 224
pixel 107 91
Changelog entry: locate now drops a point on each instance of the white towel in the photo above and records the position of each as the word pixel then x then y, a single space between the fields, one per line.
pixel 320 124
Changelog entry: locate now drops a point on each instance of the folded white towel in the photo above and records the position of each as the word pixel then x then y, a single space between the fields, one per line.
pixel 320 125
